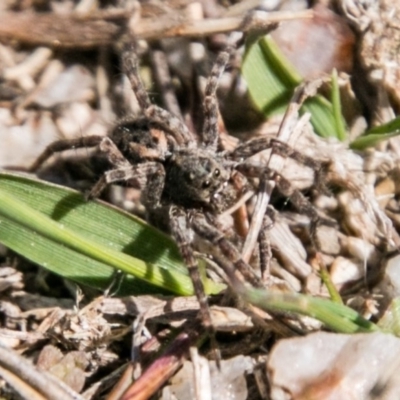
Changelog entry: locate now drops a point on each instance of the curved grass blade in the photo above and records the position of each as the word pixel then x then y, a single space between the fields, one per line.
pixel 271 80
pixel 337 317
pixel 326 279
pixel 337 108
pixel 391 126
pixel 270 84
pixel 377 134
pixel 371 140
pixel 86 241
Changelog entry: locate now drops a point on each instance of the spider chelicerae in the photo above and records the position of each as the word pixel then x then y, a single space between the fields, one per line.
pixel 186 183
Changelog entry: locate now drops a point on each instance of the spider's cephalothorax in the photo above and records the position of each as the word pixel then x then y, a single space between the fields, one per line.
pixel 197 179
pixel 184 183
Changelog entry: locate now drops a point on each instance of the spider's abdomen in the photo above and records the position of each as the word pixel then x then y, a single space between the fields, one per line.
pixel 139 141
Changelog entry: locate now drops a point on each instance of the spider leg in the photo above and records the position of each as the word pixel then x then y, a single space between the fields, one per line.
pixel 62 145
pixel 207 231
pixel 254 146
pixel 153 189
pixel 171 124
pixel 130 64
pixel 143 173
pixel 319 167
pixel 250 147
pixel 286 189
pixel 113 154
pixel 302 205
pixel 181 233
pixel 210 132
pixel 265 245
pixel 155 114
pixel 124 170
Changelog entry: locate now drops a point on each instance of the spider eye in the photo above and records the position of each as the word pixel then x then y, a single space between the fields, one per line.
pixel 217 173
pixel 206 184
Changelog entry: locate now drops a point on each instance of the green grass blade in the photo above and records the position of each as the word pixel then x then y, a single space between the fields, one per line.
pixel 336 316
pixel 326 279
pixel 271 80
pixel 85 241
pixel 337 108
pixel 261 70
pixel 377 134
pixel 371 140
pixel 322 117
pixel 391 126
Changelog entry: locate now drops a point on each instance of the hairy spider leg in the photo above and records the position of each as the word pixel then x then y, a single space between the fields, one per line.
pixel 254 146
pixel 150 175
pixel 62 145
pixel 208 232
pixel 163 118
pixel 141 172
pixel 265 244
pixel 180 232
pixel 130 65
pixel 210 133
pixel 297 198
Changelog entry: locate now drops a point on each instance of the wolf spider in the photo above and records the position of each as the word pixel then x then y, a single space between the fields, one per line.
pixel 185 182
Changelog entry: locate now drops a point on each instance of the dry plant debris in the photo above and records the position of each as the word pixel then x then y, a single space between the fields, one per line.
pixel 59 78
